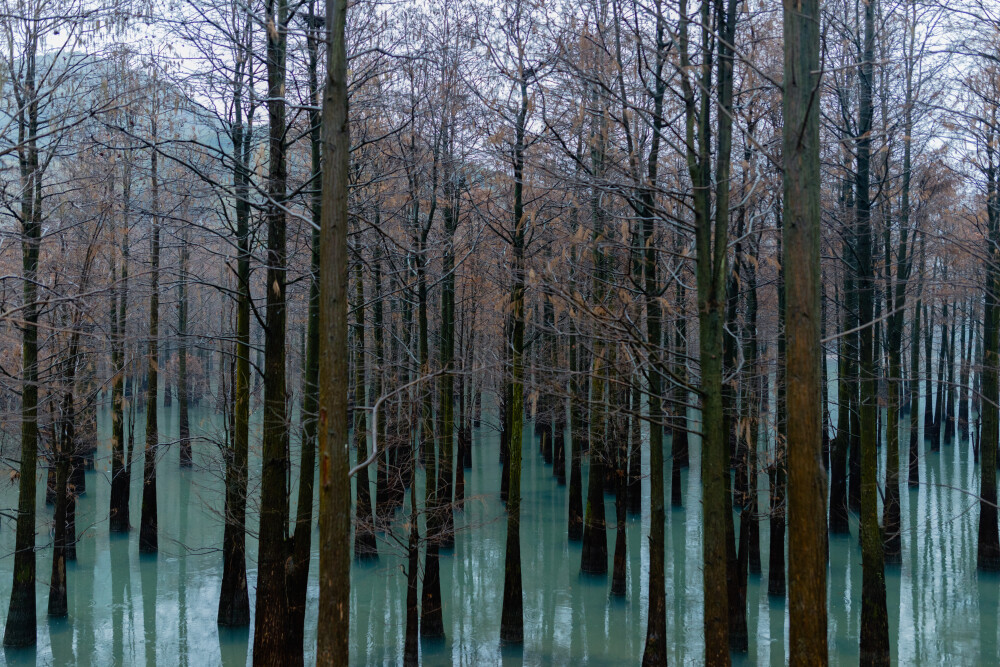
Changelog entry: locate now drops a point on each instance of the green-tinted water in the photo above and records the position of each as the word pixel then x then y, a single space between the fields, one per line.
pixel 132 610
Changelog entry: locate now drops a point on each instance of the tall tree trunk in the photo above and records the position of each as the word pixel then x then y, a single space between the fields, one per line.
pixel 577 394
pixel 512 614
pixel 431 617
pixel 148 542
pixel 842 440
pixel 939 403
pixel 411 646
pixel 776 579
pixel 894 325
pixel 913 476
pixel 335 488
pixel 735 493
pixel 852 322
pixel 874 616
pixel 988 546
pixel 574 532
pixel 120 482
pixel 65 442
pixel 594 554
pixel 804 358
pixel 928 372
pixel 462 453
pixel 678 431
pixel 951 395
pixel 964 384
pixel 57 583
pixel 620 440
pixel 753 396
pixel 634 482
pixel 298 568
pixel 271 621
pixel 446 382
pixel 234 599
pixel 854 398
pixel 365 548
pixel 385 490
pixel 913 460
pixel 183 429
pixel 711 240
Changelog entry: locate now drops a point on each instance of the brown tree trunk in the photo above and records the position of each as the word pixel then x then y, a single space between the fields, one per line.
pixel 334 494
pixel 803 360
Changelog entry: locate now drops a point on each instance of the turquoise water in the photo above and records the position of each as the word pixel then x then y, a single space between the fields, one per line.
pixel 131 610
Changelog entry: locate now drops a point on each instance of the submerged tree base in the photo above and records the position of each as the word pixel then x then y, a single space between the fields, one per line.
pixel 20 631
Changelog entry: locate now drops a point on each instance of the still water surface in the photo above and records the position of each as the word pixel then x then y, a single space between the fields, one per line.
pixel 126 609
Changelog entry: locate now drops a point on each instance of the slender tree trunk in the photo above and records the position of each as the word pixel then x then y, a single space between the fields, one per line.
pixel 711 240
pixel 335 488
pixel 679 434
pixel 913 476
pixel 461 392
pixel 852 321
pixel 929 374
pixel 776 579
pixel 854 410
pixel 574 531
pixel 842 441
pixel 234 599
pixel 594 555
pixel 148 542
pixel 431 617
pixel 964 383
pixel 951 396
pixel 63 441
pixel 939 403
pixel 735 493
pixel 365 548
pixel 385 491
pixel 913 472
pixel 446 382
pixel 120 482
pixel 874 616
pixel 298 566
pixel 512 614
pixel 411 647
pixel 505 414
pixel 633 491
pixel 184 429
pixel 272 612
pixel 619 422
pixel 753 396
pixel 894 326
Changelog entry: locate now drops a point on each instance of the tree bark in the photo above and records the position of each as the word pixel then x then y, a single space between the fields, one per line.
pixel 874 616
pixel 988 545
pixel 512 611
pixel 183 428
pixel 120 482
pixel 234 599
pixel 271 621
pixel 148 542
pixel 335 498
pixel 804 359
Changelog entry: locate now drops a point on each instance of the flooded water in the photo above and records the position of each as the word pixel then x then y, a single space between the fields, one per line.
pixel 130 610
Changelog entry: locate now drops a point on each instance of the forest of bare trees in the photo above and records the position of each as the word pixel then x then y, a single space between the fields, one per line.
pixel 519 332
